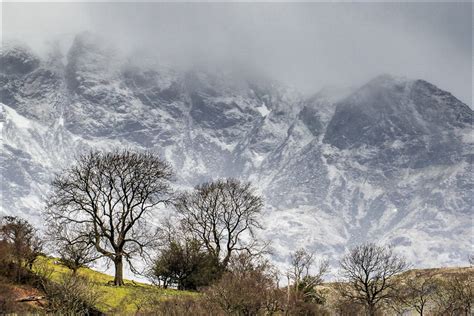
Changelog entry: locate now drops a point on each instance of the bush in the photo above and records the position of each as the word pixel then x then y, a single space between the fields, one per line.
pixel 151 303
pixel 186 265
pixel 71 295
pixel 248 288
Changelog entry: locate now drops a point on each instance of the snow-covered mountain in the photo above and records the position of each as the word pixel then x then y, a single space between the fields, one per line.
pixel 390 161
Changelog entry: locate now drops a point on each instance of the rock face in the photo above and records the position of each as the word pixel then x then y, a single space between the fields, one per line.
pixel 387 110
pixel 390 161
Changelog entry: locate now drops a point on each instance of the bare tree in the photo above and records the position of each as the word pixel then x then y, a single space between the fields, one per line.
pixel 105 198
pixel 303 290
pixel 456 295
pixel 301 264
pixel 301 261
pixel 415 292
pixel 223 215
pixel 367 274
pixel 74 251
pixel 75 256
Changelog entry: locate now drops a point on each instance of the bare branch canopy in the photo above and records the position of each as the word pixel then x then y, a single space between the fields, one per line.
pixel 105 198
pixel 223 215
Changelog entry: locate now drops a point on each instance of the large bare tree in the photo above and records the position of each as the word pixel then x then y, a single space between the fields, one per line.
pixel 105 199
pixel 223 215
pixel 368 274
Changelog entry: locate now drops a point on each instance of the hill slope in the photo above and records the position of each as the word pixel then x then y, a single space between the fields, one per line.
pixel 125 299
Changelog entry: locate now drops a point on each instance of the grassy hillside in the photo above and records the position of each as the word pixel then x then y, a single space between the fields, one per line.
pixel 112 298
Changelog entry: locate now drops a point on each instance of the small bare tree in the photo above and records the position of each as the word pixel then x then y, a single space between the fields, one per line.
pixel 76 255
pixel 368 275
pixel 301 264
pixel 415 292
pixel 74 251
pixel 222 215
pixel 105 198
pixel 456 295
pixel 303 289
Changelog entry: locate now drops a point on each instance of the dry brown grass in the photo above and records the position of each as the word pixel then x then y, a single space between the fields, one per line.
pixel 442 274
pixel 10 293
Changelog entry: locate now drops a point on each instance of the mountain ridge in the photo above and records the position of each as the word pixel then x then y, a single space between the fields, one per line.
pixel 332 175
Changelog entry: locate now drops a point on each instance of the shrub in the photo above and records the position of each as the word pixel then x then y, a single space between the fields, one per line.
pixel 152 303
pixel 247 288
pixel 185 264
pixel 71 295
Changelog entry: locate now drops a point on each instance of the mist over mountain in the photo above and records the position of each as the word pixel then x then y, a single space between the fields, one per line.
pixel 390 161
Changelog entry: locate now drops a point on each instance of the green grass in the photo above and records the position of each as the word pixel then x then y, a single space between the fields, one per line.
pixel 113 299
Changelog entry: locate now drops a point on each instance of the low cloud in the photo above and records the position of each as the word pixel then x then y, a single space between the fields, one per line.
pixel 307 45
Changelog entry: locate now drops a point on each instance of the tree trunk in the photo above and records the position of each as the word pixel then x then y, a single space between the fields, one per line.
pixel 118 280
pixel 226 260
pixel 371 309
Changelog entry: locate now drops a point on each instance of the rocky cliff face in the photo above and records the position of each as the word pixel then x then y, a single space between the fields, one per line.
pixel 390 161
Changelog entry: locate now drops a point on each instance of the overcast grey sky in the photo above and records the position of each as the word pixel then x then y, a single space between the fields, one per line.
pixel 307 45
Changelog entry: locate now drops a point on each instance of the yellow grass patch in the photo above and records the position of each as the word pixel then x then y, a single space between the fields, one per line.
pixel 114 299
